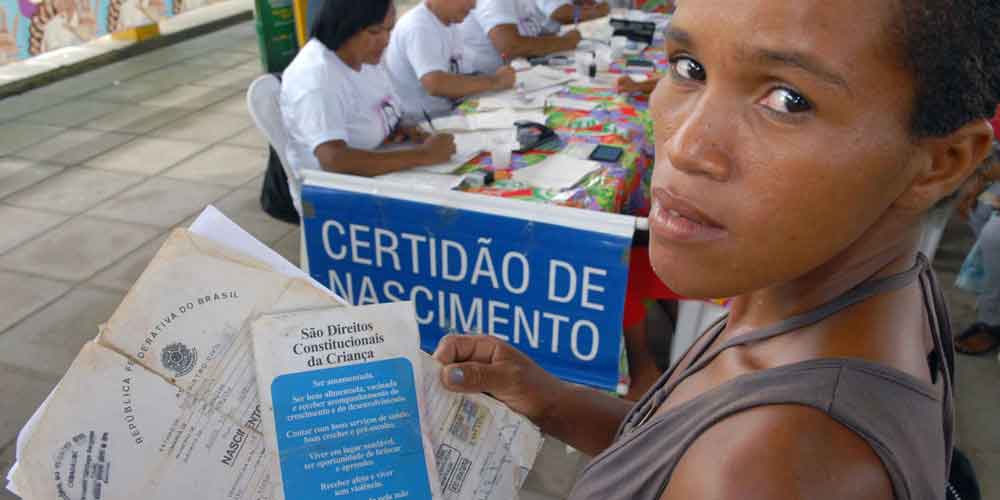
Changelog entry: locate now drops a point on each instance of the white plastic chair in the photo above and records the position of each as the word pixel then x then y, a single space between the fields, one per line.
pixel 934 227
pixel 263 103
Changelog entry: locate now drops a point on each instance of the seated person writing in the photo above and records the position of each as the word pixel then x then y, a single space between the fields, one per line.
pixel 337 102
pixel 799 146
pixel 501 30
pixel 425 61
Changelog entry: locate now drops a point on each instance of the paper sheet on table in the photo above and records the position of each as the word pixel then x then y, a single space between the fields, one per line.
pixel 510 99
pixel 165 396
pixel 468 145
pixel 596 29
pixel 567 103
pixel 541 77
pixel 423 180
pixel 502 119
pixel 448 123
pixel 557 172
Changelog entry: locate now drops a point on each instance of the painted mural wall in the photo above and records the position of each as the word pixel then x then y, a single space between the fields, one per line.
pixel 32 27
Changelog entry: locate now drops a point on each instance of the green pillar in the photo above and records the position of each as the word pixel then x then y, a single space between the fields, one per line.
pixel 275 33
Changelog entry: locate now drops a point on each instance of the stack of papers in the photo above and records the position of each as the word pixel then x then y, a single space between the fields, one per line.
pixel 557 172
pixel 501 119
pixel 577 104
pixel 540 78
pixel 511 99
pixel 449 123
pixel 164 404
pixel 595 29
pixel 426 180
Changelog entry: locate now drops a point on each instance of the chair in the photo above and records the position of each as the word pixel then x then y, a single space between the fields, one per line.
pixel 262 101
pixel 934 226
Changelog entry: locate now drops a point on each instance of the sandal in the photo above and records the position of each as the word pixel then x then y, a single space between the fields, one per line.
pixel 979 338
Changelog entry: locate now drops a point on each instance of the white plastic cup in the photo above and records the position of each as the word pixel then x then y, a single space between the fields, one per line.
pixel 583 61
pixel 618 45
pixel 501 155
pixel 604 58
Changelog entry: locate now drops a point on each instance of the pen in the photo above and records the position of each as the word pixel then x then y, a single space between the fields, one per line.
pixel 430 123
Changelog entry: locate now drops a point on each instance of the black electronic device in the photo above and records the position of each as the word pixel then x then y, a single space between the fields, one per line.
pixel 637 31
pixel 607 154
pixel 530 134
pixel 640 63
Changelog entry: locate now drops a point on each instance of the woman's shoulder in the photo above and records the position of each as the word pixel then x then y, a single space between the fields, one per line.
pixel 312 71
pixel 771 451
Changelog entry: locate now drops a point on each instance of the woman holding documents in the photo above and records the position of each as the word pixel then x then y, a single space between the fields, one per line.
pixel 425 60
pixel 499 30
pixel 338 104
pixel 794 167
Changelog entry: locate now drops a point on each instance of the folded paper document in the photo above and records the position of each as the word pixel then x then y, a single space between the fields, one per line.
pixel 164 403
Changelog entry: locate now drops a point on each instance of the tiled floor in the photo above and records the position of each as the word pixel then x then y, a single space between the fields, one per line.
pixel 96 169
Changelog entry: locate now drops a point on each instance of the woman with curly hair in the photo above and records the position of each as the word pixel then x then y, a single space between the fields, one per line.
pixel 799 146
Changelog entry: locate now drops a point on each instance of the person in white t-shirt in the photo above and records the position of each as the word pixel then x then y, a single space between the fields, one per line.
pixel 337 102
pixel 501 30
pixel 425 60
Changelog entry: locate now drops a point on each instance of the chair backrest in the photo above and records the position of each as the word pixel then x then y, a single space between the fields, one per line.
pixel 264 105
pixel 934 226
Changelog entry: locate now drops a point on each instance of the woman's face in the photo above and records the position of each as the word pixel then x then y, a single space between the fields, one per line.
pixel 781 138
pixel 373 40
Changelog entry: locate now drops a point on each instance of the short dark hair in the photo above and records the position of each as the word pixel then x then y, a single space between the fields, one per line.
pixel 952 47
pixel 339 20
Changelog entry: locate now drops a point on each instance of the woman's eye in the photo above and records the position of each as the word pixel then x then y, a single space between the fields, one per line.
pixel 688 69
pixel 785 100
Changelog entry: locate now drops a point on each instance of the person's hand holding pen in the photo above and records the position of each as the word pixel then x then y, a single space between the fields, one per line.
pixel 439 148
pixel 407 133
pixel 504 78
pixel 572 38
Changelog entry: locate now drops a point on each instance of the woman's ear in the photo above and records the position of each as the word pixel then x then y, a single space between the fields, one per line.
pixel 948 162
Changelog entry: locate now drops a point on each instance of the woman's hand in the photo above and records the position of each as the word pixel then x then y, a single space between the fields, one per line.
pixel 438 148
pixel 413 134
pixel 480 363
pixel 416 134
pixel 627 85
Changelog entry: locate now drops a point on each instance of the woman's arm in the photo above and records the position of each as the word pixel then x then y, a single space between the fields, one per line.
pixel 450 85
pixel 338 157
pixel 583 418
pixel 509 42
pixel 570 14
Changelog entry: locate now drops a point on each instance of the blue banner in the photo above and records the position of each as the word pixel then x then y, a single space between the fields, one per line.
pixel 556 293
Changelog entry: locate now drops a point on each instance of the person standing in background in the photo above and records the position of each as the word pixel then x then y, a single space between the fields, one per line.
pixel 980 206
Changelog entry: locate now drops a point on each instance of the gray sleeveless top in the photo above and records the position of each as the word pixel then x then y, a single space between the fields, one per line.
pixel 902 418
